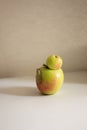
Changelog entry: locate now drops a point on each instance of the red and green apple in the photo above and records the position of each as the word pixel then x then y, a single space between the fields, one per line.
pixel 50 77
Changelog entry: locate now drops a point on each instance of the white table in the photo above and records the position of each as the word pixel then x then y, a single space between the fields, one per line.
pixel 22 107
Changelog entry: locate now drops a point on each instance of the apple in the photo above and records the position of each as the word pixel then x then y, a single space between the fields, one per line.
pixel 48 80
pixel 54 62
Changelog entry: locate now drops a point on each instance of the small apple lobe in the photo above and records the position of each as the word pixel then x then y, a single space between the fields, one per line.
pixel 54 62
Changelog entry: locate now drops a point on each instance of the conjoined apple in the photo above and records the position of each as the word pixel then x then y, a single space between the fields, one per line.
pixel 50 77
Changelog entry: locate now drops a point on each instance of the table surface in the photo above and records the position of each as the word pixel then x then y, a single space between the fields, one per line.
pixel 22 107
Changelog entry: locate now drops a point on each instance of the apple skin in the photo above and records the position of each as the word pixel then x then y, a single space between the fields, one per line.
pixel 49 81
pixel 54 62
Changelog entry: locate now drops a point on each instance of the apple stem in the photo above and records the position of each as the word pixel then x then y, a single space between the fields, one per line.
pixel 45 65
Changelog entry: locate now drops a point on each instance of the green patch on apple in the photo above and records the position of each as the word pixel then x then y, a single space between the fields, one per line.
pixel 50 77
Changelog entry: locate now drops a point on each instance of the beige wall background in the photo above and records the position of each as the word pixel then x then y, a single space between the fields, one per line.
pixel 30 30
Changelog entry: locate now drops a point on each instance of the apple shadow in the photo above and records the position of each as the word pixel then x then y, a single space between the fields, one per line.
pixel 20 91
